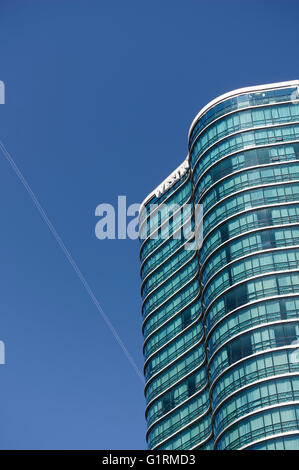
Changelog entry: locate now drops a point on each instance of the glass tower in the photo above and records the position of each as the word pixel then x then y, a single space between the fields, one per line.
pixel 221 317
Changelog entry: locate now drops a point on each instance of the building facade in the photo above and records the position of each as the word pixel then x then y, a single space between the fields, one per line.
pixel 220 292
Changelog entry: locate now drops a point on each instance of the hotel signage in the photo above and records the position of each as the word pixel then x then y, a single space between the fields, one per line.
pixel 172 179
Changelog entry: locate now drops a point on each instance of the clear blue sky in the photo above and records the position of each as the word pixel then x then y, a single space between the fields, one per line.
pixel 99 98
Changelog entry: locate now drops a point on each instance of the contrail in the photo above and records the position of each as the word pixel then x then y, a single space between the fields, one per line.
pixel 70 259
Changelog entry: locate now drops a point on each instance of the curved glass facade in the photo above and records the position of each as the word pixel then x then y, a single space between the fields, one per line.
pixel 221 317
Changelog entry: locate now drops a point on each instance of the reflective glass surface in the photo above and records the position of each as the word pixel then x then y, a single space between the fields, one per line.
pixel 221 323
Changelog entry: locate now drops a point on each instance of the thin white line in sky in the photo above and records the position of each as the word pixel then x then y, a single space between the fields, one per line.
pixel 70 259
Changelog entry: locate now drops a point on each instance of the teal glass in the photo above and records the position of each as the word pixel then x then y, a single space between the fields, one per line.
pixel 239 102
pixel 221 321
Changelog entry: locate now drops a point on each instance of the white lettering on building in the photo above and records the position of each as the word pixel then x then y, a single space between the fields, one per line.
pixel 173 178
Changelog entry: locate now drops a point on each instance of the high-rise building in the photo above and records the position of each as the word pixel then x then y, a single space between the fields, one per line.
pixel 221 316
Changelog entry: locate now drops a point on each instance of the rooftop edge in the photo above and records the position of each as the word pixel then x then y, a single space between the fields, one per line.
pixel 237 91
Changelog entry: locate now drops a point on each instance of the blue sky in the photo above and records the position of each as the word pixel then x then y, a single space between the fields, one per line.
pixel 99 99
